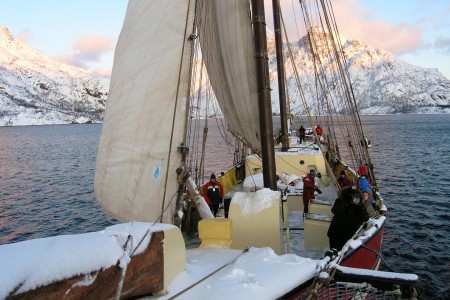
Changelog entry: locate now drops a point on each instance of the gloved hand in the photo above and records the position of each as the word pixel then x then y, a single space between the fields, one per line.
pixel 319 191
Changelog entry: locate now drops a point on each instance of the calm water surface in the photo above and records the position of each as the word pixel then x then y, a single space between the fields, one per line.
pixel 47 181
pixel 47 174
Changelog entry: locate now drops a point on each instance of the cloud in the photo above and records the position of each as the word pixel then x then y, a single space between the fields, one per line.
pixel 102 72
pixel 355 22
pixel 88 49
pixel 24 35
pixel 443 45
pixel 93 44
pixel 67 59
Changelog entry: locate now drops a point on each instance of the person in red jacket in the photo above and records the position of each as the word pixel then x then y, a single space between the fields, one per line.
pixel 319 130
pixel 212 191
pixel 343 181
pixel 308 189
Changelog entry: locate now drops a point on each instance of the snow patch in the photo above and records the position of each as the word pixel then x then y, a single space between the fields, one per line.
pixel 253 203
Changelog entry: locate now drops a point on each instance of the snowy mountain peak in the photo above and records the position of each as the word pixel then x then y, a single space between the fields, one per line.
pixel 382 84
pixel 5 35
pixel 318 32
pixel 34 89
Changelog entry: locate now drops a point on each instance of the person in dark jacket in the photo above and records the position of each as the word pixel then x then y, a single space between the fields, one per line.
pixel 349 213
pixel 302 134
pixel 212 191
pixel 309 188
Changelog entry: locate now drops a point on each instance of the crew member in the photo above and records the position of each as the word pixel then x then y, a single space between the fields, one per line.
pixel 343 181
pixel 212 191
pixel 309 188
pixel 349 212
pixel 319 130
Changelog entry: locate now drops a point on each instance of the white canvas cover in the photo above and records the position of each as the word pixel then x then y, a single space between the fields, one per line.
pixel 145 112
pixel 228 49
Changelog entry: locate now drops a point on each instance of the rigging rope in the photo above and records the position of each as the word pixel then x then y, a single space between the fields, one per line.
pixel 332 83
pixel 209 275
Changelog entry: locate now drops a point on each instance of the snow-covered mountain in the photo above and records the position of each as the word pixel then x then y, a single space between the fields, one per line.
pixel 35 89
pixel 381 83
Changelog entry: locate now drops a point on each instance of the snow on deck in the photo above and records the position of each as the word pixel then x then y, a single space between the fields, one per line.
pixel 257 274
pixel 38 262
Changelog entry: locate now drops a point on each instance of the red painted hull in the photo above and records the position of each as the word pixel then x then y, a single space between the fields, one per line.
pixel 361 257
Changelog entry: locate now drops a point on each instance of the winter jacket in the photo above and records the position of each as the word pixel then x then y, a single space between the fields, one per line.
pixel 346 220
pixel 319 131
pixel 363 184
pixel 309 187
pixel 213 192
pixel 344 181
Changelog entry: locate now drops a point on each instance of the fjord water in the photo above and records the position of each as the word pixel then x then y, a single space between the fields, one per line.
pixel 47 174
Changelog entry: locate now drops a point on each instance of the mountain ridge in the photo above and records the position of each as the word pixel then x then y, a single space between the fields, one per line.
pixel 381 83
pixel 35 90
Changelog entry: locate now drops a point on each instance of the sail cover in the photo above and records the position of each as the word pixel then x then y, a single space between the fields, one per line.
pixel 135 178
pixel 228 49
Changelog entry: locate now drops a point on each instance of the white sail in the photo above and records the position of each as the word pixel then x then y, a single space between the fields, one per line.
pixel 228 49
pixel 145 117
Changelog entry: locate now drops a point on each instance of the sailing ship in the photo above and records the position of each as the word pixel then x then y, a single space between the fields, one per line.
pixel 143 171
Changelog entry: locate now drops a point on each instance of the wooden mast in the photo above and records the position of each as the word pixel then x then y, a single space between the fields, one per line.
pixel 281 79
pixel 265 104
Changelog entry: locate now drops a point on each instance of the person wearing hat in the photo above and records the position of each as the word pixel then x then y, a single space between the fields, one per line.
pixel 309 188
pixel 212 191
pixel 343 181
pixel 349 212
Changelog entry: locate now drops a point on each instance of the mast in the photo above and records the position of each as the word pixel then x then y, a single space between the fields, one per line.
pixel 265 104
pixel 281 81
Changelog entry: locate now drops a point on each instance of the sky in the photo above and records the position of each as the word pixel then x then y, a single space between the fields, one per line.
pixel 84 32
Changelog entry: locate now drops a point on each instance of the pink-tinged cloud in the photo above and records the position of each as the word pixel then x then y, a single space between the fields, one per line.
pixel 355 22
pixel 90 48
pixel 92 44
pixel 67 59
pixel 24 36
pixel 102 72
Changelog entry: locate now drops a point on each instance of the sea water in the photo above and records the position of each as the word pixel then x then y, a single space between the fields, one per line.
pixel 47 174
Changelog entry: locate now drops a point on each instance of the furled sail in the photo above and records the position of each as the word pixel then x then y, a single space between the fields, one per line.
pixel 135 178
pixel 228 49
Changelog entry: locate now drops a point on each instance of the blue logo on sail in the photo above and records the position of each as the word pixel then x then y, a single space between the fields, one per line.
pixel 157 172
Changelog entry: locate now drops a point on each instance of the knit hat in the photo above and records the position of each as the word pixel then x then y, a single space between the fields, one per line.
pixel 212 176
pixel 362 170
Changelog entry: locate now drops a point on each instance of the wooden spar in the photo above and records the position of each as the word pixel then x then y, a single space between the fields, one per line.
pixel 281 79
pixel 265 108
